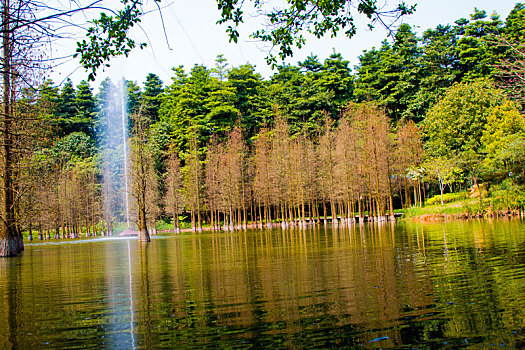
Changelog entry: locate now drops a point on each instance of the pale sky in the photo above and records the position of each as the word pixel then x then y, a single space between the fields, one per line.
pixel 193 37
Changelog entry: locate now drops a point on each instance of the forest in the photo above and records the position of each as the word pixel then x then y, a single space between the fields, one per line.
pixel 222 147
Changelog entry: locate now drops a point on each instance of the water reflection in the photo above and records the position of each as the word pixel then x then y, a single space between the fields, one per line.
pixel 131 313
pixel 10 274
pixel 378 285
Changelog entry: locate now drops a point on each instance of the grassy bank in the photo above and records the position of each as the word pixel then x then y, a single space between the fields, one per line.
pixel 457 206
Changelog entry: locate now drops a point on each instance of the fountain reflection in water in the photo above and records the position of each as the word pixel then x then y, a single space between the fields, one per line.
pixel 131 316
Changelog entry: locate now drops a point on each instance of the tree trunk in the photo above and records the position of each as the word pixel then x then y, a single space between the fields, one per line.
pixel 40 232
pixel 11 243
pixel 324 212
pixel 231 227
pixel 479 191
pixel 142 231
pixel 154 228
pixel 407 194
pixel 30 234
pixel 176 226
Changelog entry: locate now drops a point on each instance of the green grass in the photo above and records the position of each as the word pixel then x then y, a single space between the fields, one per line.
pixel 163 225
pixel 467 206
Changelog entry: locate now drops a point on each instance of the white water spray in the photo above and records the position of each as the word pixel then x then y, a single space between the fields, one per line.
pixel 114 139
pixel 125 143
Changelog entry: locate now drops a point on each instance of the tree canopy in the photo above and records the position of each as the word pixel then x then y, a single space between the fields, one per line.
pixel 223 145
pixel 290 20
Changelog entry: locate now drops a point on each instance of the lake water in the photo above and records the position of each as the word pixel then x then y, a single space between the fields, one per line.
pixel 408 285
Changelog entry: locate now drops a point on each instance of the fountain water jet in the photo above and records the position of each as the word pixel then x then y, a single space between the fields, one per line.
pixel 113 133
pixel 125 143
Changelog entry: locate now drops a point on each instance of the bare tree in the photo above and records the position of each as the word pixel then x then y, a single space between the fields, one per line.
pixel 280 173
pixel 193 185
pixel 174 199
pixel 510 72
pixel 141 164
pixel 409 157
pixel 212 167
pixel 233 178
pixel 262 176
pixel 327 163
pixel 153 202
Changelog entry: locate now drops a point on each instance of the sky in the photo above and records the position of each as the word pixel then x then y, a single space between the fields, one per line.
pixel 191 36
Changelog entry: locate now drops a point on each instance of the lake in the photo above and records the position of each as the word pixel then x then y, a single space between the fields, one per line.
pixel 403 285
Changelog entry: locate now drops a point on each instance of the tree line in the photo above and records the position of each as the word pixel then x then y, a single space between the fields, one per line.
pixel 313 142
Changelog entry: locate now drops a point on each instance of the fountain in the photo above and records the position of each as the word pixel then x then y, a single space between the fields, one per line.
pixel 113 135
pixel 124 119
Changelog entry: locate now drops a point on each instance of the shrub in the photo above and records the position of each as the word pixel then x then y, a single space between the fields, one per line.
pixel 447 198
pixel 508 195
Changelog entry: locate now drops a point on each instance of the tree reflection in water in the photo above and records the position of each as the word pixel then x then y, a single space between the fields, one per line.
pixel 378 285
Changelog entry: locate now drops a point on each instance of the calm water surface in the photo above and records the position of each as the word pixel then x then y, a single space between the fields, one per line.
pixel 456 284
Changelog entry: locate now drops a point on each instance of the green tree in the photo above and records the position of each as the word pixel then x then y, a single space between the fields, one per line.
pixel 66 109
pixel 103 105
pixel 442 170
pixel 285 89
pixel 311 64
pixel 183 104
pixel 502 139
pixel 46 99
pixel 475 47
pixel 251 97
pixel 328 89
pixel 455 123
pixel 221 69
pixel 221 111
pixel 335 77
pixel 454 126
pixel 85 104
pixel 74 145
pixel 514 29
pixel 391 76
pixel 107 36
pixel 151 97
pixel 439 66
pixel 133 98
pixel 294 17
pixel 199 101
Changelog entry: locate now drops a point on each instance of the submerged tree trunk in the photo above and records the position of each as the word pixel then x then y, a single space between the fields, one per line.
pixel 142 230
pixel 199 225
pixel 176 225
pixel 140 181
pixel 154 228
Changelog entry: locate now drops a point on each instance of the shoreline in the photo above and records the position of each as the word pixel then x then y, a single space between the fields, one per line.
pixel 465 216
